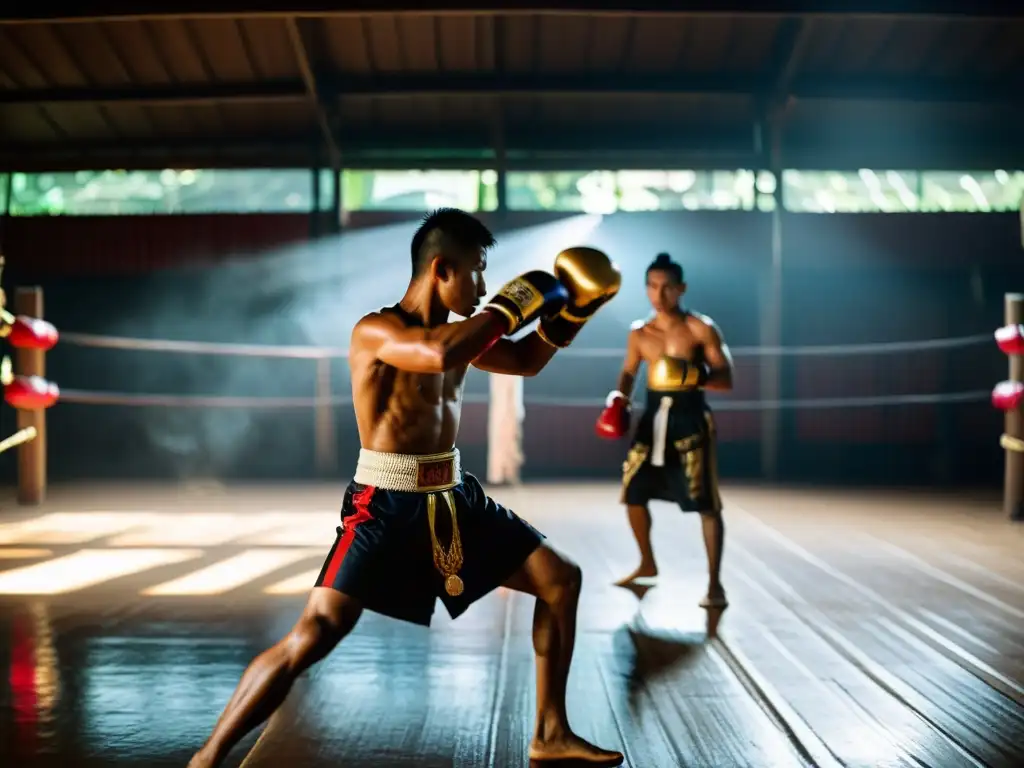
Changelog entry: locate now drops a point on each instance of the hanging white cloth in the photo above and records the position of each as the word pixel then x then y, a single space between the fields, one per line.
pixel 506 412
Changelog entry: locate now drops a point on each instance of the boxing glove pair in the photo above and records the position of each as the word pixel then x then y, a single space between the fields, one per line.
pixel 613 422
pixel 584 280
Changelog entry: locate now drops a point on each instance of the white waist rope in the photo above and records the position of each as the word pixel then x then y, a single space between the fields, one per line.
pixel 660 432
pixel 399 471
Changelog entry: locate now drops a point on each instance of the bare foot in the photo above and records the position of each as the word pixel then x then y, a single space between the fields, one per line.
pixel 572 747
pixel 643 572
pixel 715 598
pixel 714 618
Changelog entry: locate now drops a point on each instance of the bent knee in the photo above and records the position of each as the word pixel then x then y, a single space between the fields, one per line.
pixel 565 583
pixel 326 620
pixel 309 641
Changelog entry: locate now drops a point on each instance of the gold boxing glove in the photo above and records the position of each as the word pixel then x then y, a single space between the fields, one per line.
pixel 592 279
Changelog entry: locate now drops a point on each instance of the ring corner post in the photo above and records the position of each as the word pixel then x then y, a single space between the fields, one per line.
pixel 1013 483
pixel 31 362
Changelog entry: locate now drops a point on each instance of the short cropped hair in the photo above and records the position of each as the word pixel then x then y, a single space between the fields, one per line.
pixel 446 228
pixel 664 263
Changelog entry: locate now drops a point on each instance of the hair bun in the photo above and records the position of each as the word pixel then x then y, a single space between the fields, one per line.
pixel 662 259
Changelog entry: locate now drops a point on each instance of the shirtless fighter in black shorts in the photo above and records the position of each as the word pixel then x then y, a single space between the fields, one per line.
pixel 415 527
pixel 674 454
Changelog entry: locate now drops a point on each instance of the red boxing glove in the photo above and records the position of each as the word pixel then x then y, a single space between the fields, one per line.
pixel 613 422
pixel 32 333
pixel 1010 339
pixel 1008 395
pixel 31 393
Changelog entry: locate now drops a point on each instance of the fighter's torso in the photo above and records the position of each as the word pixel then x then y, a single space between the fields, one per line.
pixel 402 412
pixel 680 338
pixel 665 348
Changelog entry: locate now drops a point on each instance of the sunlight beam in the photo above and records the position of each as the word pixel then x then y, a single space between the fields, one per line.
pixel 232 573
pixel 87 568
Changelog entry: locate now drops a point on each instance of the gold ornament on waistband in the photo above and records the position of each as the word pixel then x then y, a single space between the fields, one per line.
pixel 449 561
pixel 436 472
pixel 453 585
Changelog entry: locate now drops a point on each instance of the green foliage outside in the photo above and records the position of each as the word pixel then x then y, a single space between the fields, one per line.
pixel 115 192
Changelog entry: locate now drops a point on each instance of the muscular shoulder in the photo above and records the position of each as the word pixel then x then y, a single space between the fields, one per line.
pixel 704 326
pixel 382 318
pixel 637 329
pixel 640 324
pixel 373 327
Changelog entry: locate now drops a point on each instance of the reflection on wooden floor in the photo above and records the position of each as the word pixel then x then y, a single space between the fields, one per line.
pixel 865 630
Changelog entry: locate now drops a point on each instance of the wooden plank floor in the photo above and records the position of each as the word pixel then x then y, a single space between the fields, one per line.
pixel 866 629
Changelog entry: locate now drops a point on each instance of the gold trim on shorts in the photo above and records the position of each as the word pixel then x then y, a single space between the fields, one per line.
pixel 634 460
pixel 433 474
pixel 691 451
pixel 436 476
pixel 449 562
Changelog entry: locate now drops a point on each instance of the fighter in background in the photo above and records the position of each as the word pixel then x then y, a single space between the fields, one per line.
pixel 673 456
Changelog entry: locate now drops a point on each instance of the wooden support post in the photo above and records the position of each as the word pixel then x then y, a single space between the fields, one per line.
pixel 334 210
pixel 31 362
pixel 771 315
pixel 499 38
pixel 316 215
pixel 325 447
pixel 1013 486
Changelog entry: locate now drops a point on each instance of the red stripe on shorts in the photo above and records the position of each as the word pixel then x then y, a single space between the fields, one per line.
pixel 361 502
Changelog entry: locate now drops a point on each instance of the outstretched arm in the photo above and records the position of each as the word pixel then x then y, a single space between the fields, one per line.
pixel 524 357
pixel 613 422
pixel 456 345
pixel 718 359
pixel 426 350
pixel 631 365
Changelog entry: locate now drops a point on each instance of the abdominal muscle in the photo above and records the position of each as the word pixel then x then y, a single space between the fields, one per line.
pixel 407 413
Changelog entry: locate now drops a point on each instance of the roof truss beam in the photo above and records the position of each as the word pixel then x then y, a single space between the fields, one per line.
pixel 576 148
pixel 312 88
pixel 323 91
pixel 50 12
pixel 788 49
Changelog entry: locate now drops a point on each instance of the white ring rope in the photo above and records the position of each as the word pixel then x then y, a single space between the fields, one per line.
pixel 725 404
pixel 320 353
pixel 83 397
pixel 879 348
pixel 202 401
pixel 202 347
